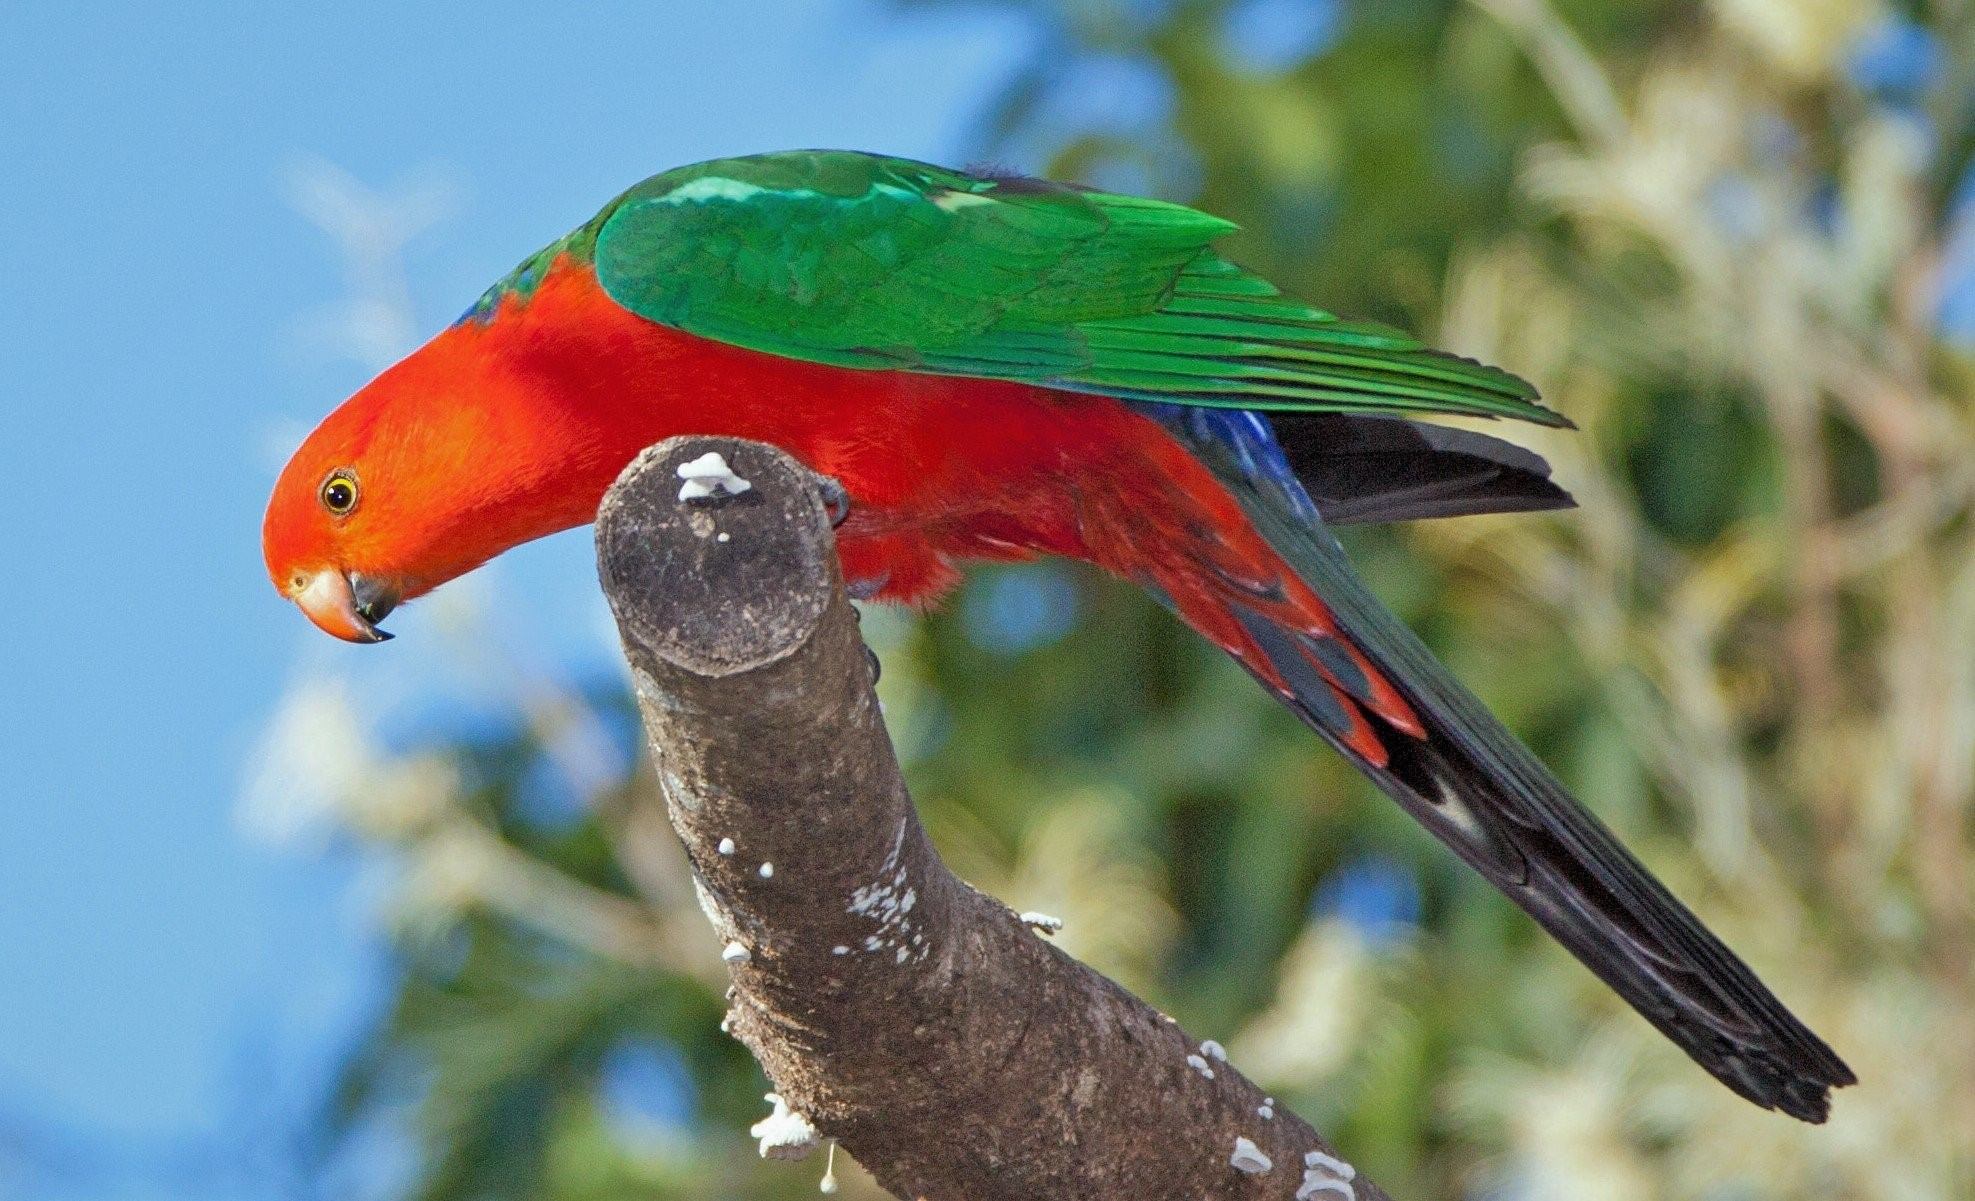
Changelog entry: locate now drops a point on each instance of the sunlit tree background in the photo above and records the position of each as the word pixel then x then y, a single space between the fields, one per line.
pixel 1735 242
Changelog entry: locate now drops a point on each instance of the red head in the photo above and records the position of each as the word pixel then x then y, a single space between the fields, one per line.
pixel 378 505
pixel 486 437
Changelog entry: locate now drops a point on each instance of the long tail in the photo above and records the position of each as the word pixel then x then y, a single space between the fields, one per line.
pixel 1249 568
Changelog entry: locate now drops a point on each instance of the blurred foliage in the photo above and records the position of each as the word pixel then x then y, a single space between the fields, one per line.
pixel 1735 241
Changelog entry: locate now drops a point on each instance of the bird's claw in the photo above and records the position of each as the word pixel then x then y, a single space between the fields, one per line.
pixel 836 500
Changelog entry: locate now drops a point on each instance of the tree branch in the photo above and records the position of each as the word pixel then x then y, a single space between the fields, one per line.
pixel 948 1047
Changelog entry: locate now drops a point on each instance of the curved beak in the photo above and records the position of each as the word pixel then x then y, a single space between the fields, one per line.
pixel 347 606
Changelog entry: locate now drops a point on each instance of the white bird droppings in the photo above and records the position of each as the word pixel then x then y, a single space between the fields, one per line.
pixel 888 900
pixel 829 1184
pixel 734 952
pixel 839 950
pixel 784 1134
pixel 1200 1065
pixel 709 476
pixel 1214 1050
pixel 1248 1158
pixel 1265 1112
pixel 1323 1174
pixel 726 846
pixel 723 536
pixel 1041 923
pixel 767 870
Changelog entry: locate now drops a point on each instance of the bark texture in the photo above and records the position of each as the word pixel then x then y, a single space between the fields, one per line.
pixel 946 1045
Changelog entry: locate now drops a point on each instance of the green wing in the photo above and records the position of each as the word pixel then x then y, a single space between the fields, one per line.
pixel 861 261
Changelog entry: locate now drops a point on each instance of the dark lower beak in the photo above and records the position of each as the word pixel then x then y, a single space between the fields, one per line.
pixel 347 606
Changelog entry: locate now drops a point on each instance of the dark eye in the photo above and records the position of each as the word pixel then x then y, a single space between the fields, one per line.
pixel 339 493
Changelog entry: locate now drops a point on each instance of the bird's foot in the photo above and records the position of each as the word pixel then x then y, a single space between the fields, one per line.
pixel 868 588
pixel 836 500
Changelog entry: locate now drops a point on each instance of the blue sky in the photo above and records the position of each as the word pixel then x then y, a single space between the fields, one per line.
pixel 172 327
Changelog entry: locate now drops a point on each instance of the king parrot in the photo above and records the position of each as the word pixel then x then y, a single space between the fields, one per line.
pixel 995 368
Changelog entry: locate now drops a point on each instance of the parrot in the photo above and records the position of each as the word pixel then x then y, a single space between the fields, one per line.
pixel 997 367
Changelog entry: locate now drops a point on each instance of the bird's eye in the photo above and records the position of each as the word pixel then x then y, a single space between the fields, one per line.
pixel 339 493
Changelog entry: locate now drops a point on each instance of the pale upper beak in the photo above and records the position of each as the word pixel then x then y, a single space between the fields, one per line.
pixel 348 606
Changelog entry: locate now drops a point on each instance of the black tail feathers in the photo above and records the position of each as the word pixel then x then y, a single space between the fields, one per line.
pixel 1363 468
pixel 1479 790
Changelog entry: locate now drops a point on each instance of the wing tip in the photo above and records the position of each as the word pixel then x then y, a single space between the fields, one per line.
pixel 1551 418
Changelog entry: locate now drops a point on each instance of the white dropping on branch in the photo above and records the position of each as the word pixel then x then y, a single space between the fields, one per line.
pixel 1041 923
pixel 709 476
pixel 1326 1175
pixel 1248 1158
pixel 784 1134
pixel 734 952
pixel 726 846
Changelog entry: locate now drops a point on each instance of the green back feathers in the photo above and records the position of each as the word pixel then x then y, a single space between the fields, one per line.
pixel 863 261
